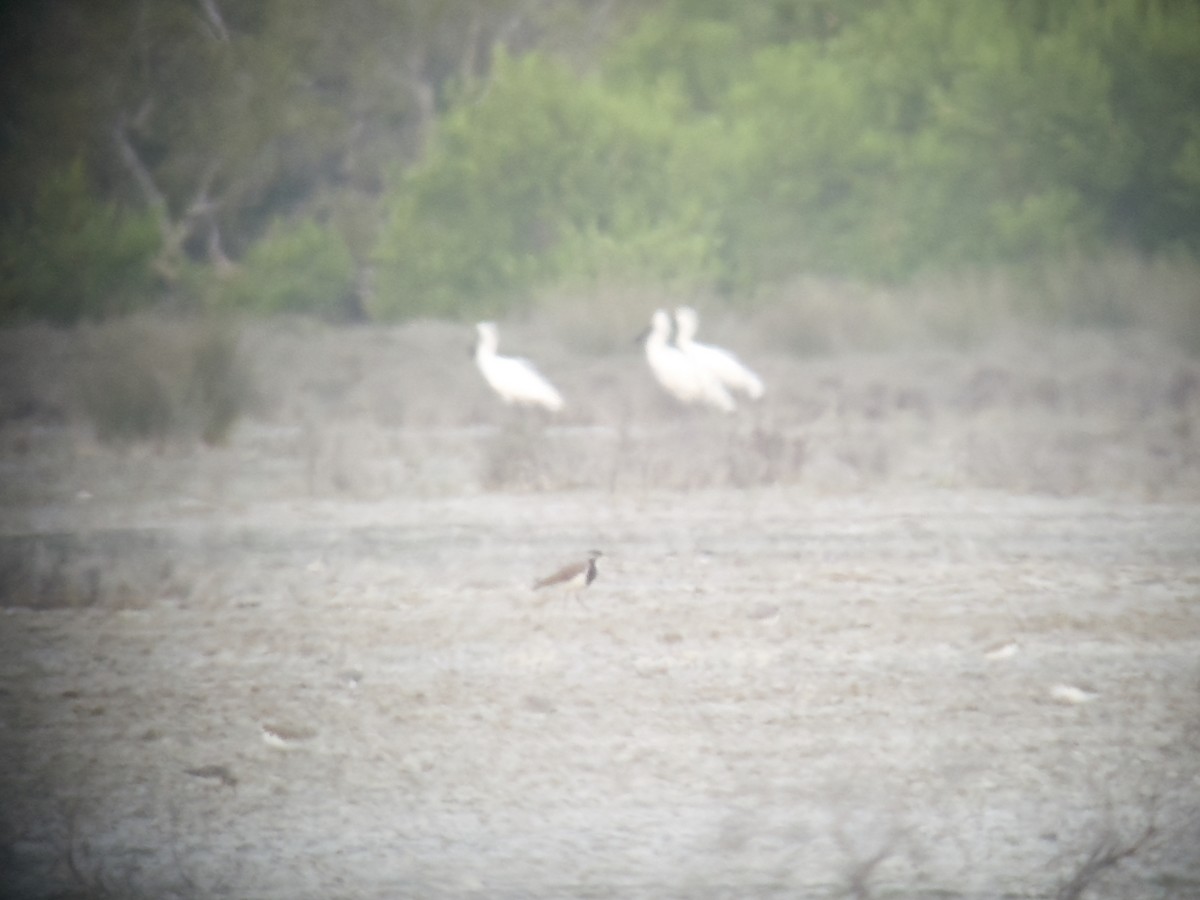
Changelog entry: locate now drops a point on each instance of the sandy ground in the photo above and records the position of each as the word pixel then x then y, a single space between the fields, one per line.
pixel 942 641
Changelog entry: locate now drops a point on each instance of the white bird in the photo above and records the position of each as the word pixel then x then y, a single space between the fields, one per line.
pixel 1003 651
pixel 678 375
pixel 1069 693
pixel 721 364
pixel 516 380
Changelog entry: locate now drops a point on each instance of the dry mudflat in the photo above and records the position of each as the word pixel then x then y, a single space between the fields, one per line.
pixel 918 626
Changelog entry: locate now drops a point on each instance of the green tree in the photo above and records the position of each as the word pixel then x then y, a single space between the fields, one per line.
pixel 219 118
pixel 934 135
pixel 71 256
pixel 1151 51
pixel 297 267
pixel 470 150
pixel 543 176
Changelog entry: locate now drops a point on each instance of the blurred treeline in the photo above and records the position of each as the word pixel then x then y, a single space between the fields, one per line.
pixel 402 158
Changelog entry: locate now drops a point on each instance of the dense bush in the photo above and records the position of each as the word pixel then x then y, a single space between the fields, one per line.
pixel 298 267
pixel 915 137
pixel 472 156
pixel 544 176
pixel 930 136
pixel 152 380
pixel 73 255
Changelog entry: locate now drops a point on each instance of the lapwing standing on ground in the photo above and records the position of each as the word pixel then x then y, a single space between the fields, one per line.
pixel 572 578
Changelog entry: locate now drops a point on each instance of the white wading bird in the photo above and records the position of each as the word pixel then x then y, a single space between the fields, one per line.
pixel 679 376
pixel 721 364
pixel 516 380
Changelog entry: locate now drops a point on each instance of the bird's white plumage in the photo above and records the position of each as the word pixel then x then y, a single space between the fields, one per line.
pixel 719 363
pixel 516 380
pixel 680 376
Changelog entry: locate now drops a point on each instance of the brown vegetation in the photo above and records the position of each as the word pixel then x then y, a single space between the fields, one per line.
pixel 779 686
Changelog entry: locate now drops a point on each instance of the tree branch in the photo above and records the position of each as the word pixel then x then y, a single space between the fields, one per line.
pixel 213 14
pixel 1106 853
pixel 173 233
pixel 141 175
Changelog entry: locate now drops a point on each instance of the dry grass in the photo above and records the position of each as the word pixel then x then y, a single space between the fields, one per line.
pixel 1117 291
pixel 373 462
pixel 365 412
pixel 944 383
pixel 604 321
pixel 150 379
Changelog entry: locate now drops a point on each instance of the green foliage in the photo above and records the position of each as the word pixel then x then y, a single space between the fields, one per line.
pixel 544 177
pixel 696 57
pixel 895 139
pixel 686 143
pixel 701 47
pixel 72 255
pixel 1152 54
pixel 297 267
pixel 932 135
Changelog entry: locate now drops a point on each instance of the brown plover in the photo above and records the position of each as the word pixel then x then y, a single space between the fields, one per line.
pixel 573 577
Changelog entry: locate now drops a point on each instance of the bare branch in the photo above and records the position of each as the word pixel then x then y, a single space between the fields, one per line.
pixel 141 175
pixel 1106 853
pixel 202 207
pixel 414 80
pixel 861 868
pixel 217 256
pixel 213 14
pixel 468 63
pixel 174 233
pixel 520 15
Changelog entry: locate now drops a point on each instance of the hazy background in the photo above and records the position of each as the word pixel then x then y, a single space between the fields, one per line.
pixel 249 474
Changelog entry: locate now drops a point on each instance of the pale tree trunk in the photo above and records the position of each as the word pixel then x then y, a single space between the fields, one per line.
pixel 174 232
pixel 213 15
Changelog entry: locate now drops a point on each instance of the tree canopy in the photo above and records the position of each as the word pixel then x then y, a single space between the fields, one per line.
pixel 272 156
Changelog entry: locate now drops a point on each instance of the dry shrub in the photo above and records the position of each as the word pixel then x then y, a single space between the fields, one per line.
pixel 516 456
pixel 523 454
pixel 122 569
pixel 817 316
pixel 217 388
pixel 149 379
pixel 1107 852
pixel 1120 290
pixel 126 396
pixel 605 320
pixel 1124 289
pixel 690 453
